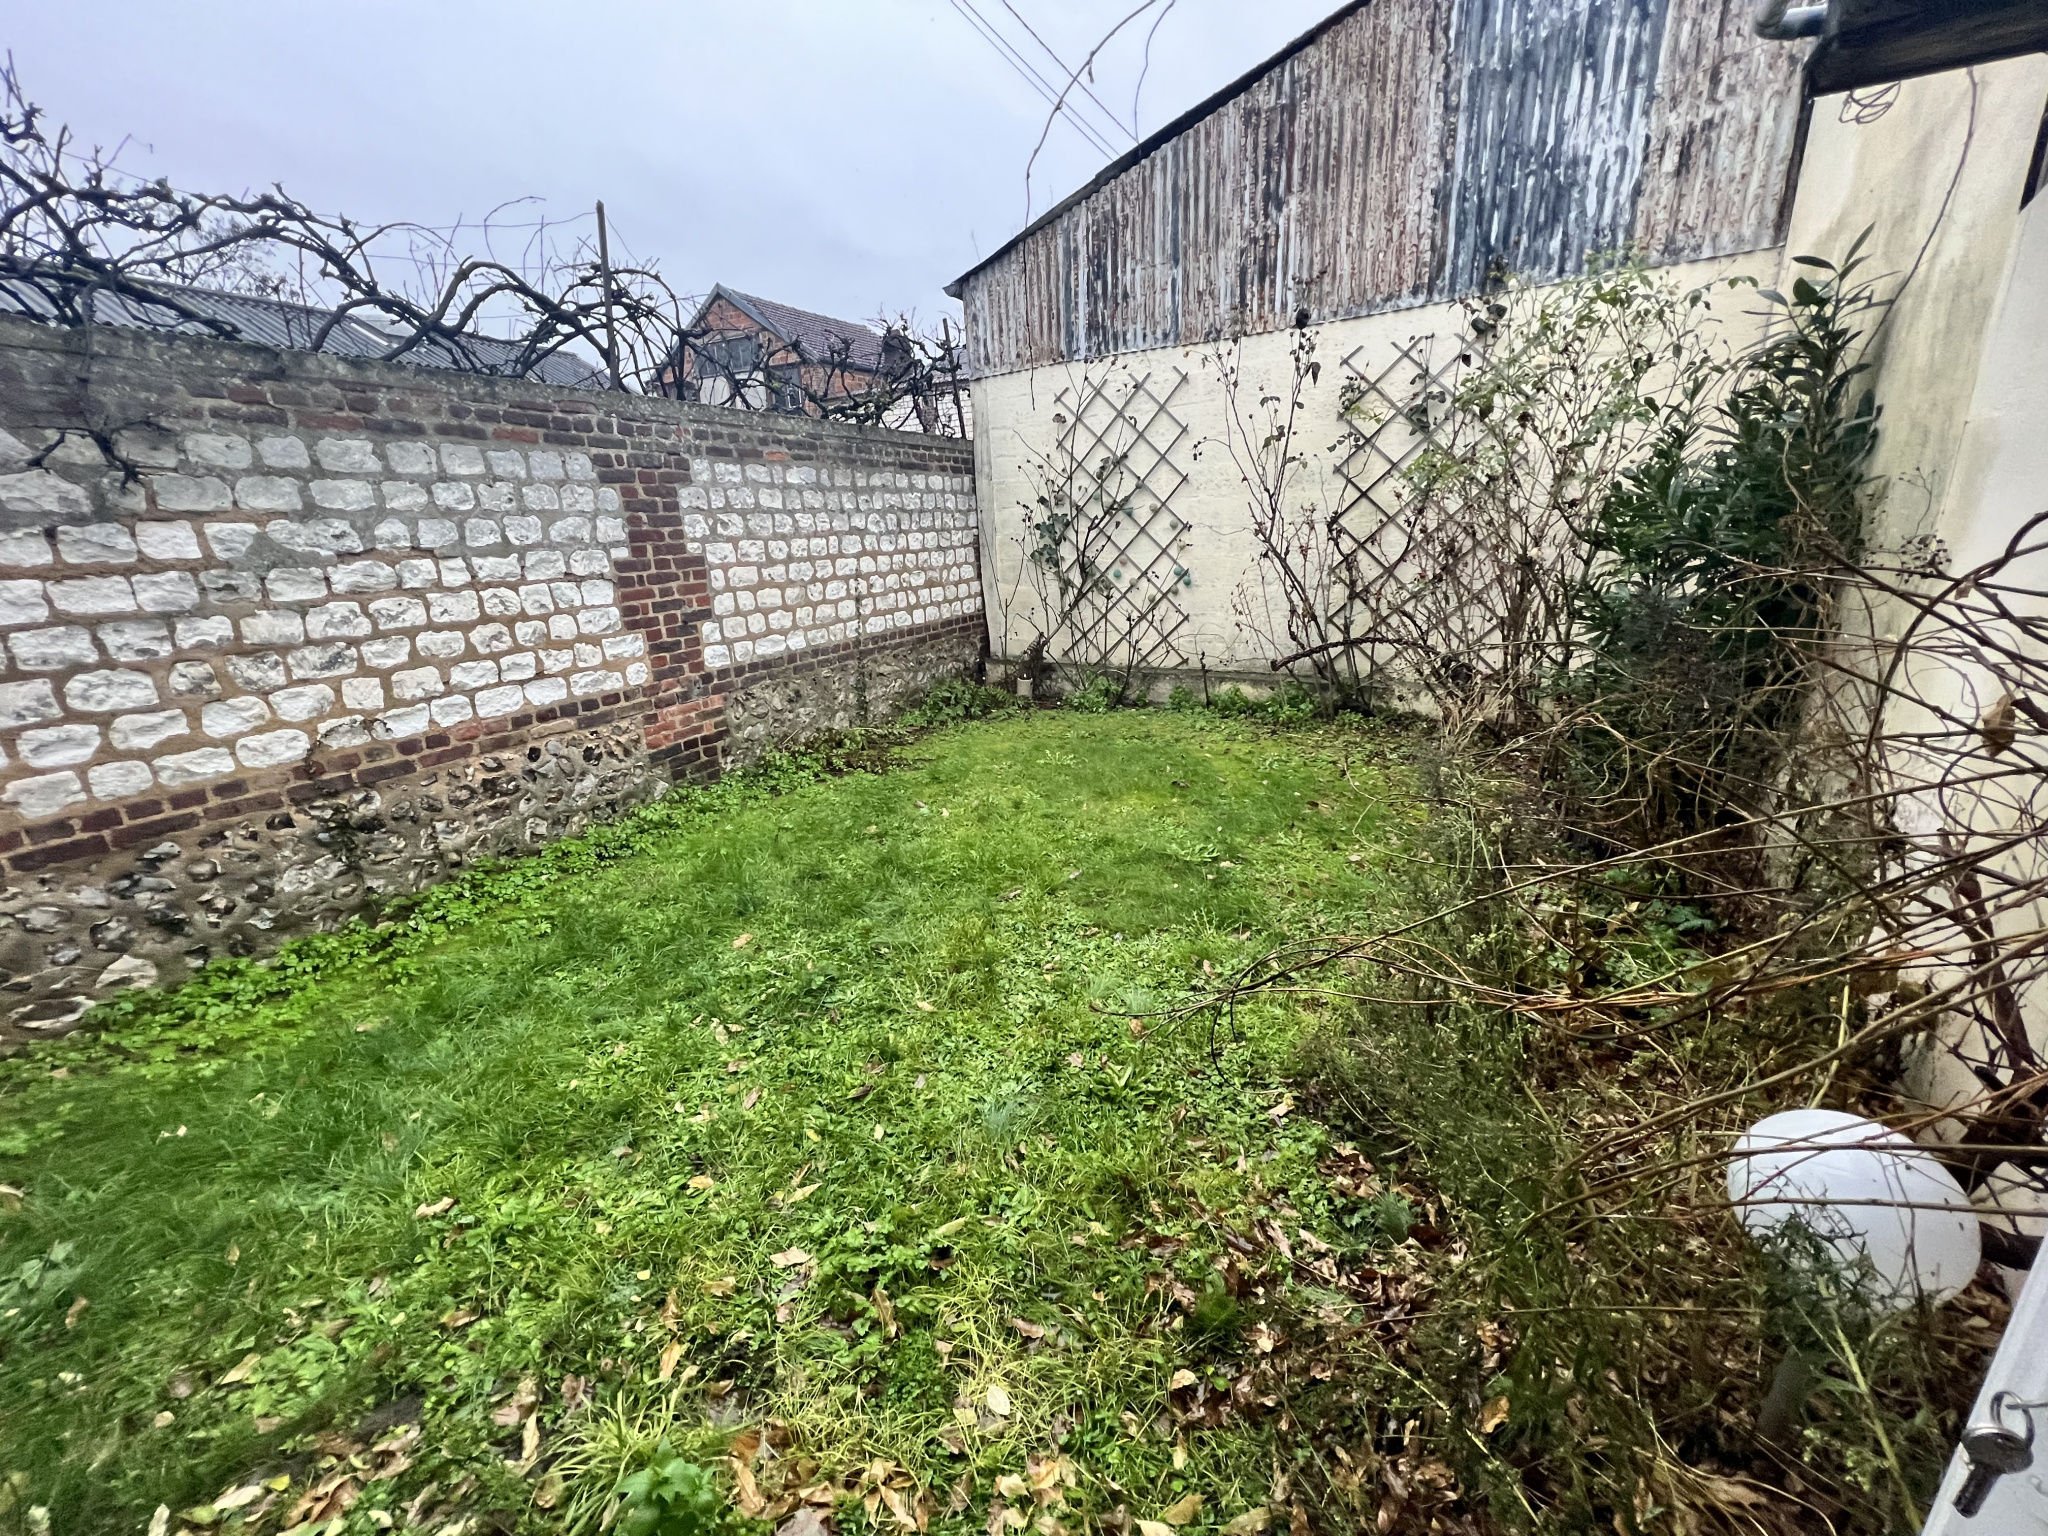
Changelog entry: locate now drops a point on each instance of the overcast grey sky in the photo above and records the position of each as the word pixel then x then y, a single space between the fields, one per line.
pixel 850 156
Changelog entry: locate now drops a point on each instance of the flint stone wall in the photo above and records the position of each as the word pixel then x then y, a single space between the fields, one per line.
pixel 282 634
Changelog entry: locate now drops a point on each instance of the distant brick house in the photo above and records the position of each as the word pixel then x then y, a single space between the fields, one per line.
pixel 739 349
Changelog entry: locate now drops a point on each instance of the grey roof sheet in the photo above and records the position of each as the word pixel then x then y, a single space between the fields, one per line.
pixel 292 327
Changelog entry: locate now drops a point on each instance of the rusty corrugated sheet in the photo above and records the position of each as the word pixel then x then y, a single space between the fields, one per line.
pixel 1553 118
pixel 1716 179
pixel 1395 158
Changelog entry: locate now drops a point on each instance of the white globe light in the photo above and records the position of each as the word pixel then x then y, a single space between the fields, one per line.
pixel 1895 1218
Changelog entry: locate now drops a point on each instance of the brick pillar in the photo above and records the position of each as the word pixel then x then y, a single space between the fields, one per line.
pixel 665 595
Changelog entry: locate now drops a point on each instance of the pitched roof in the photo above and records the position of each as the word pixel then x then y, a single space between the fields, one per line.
pixel 292 327
pixel 819 338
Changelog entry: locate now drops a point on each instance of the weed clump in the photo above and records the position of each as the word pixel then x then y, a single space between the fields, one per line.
pixel 952 699
pixel 1098 694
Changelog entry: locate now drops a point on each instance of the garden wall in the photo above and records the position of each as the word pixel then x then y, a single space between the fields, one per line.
pixel 286 633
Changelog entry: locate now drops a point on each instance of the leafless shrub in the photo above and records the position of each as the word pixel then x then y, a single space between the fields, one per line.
pixel 1724 703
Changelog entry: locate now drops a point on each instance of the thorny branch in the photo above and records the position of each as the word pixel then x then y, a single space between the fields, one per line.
pixel 83 242
pixel 1659 606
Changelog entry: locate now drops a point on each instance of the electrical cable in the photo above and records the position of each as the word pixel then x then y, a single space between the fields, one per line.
pixel 1030 77
pixel 1086 90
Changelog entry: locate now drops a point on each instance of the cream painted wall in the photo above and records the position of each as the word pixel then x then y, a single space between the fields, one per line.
pixel 1018 422
pixel 1962 376
pixel 1936 180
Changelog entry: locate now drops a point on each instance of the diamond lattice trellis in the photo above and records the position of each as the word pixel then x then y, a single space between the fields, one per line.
pixel 1393 420
pixel 1120 563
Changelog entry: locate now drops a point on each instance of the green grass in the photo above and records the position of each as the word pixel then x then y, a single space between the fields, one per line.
pixel 824 1086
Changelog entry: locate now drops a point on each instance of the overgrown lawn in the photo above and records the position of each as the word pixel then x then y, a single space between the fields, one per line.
pixel 809 1104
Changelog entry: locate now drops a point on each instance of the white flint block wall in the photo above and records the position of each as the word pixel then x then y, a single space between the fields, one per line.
pixel 266 597
pixel 281 635
pixel 802 556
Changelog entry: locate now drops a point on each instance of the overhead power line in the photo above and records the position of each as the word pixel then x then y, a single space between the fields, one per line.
pixel 1030 76
pixel 1071 74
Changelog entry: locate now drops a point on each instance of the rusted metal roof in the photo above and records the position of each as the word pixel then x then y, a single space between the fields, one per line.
pixel 1402 153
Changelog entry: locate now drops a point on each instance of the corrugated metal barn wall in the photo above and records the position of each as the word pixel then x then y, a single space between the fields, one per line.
pixel 1400 157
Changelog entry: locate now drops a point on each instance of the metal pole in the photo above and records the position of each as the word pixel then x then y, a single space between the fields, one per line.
pixel 611 334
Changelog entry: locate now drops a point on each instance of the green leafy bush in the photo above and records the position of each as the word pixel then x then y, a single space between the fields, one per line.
pixel 1097 696
pixel 671 1497
pixel 1233 702
pixel 1291 704
pixel 960 698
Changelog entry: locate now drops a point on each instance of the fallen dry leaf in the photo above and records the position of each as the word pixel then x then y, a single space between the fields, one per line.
pixel 789 1258
pixel 746 1492
pixel 1181 1378
pixel 1493 1415
pixel 440 1207
pixel 1029 1330
pixel 998 1402
pixel 237 1498
pixel 241 1371
pixel 743 941
pixel 703 1181
pixel 1154 1528
pixel 1250 1523
pixel 962 1495
pixel 893 1497
pixel 669 1357
pixel 1183 1510
pixel 75 1311
pixel 725 1285
pixel 927 1007
pixel 753 1097
pixel 461 1317
pixel 807 1521
pixel 1729 1493
pixel 1997 728
pixel 796 1195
